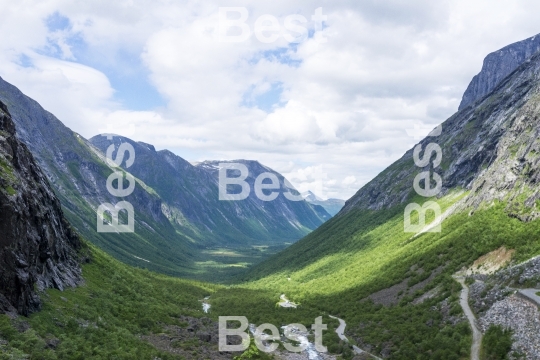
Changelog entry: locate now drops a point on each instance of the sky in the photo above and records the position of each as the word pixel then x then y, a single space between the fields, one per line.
pixel 328 94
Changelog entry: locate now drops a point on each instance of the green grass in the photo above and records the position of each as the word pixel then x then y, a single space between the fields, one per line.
pixel 102 318
pixel 6 170
pixel 7 176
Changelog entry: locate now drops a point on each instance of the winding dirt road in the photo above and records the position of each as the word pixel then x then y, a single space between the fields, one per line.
pixel 477 334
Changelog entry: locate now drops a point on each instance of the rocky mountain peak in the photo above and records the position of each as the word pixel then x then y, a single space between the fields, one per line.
pixel 38 248
pixel 497 66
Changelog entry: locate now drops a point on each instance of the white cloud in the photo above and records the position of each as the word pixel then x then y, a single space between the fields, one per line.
pixel 345 107
pixel 349 180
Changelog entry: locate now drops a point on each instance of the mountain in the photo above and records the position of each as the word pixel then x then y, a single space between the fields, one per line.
pixel 181 227
pixel 395 287
pixel 332 206
pixel 293 213
pixel 497 66
pixel 38 248
pixel 191 200
pixel 489 150
pixel 397 293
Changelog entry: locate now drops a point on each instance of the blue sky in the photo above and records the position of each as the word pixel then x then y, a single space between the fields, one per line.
pixel 127 74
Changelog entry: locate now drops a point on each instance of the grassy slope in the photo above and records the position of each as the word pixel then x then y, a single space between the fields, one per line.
pixel 335 269
pixel 117 302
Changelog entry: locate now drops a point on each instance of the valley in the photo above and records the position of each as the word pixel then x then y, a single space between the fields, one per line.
pixel 218 264
pixel 468 291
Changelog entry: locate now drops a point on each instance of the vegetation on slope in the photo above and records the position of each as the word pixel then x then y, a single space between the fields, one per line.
pixel 335 272
pixel 497 343
pixel 103 318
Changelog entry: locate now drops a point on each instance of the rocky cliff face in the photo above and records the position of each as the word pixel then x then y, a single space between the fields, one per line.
pixel 497 66
pixel 38 248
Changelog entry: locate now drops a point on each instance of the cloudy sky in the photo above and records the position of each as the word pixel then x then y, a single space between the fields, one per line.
pixel 328 108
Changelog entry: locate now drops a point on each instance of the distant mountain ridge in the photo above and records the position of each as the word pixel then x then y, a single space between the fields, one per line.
pixel 191 200
pixel 332 206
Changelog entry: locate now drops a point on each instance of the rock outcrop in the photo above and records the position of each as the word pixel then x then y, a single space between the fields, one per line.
pixel 38 248
pixel 522 317
pixel 497 66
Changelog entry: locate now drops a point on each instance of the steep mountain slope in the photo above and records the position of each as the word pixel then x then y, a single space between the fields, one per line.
pixel 497 66
pixel 395 287
pixel 38 248
pixel 332 206
pixel 490 149
pixel 489 154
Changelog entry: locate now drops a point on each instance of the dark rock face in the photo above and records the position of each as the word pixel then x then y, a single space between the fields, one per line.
pixel 497 66
pixel 38 249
